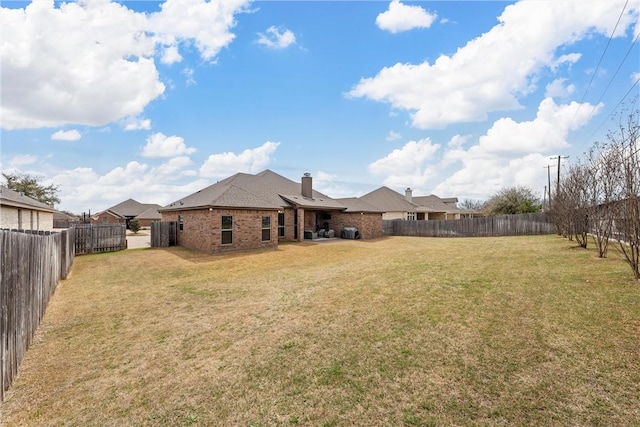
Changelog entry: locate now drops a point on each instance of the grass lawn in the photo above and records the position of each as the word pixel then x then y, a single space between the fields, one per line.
pixel 397 331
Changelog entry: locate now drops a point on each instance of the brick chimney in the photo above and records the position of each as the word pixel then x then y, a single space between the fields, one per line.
pixel 307 187
pixel 408 195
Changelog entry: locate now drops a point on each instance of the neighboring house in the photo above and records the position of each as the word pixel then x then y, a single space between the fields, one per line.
pixel 441 208
pixel 18 211
pixel 148 216
pixel 124 212
pixel 64 220
pixel 395 205
pixel 407 207
pixel 248 211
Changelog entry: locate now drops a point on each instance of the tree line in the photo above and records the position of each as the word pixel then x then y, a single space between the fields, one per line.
pixel 599 197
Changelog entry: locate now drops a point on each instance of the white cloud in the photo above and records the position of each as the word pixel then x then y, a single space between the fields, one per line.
pixel 463 88
pixel 83 189
pixel 133 123
pixel 409 165
pixel 188 74
pixel 457 141
pixel 208 23
pixel 250 161
pixel 635 77
pixel 92 62
pixel 66 135
pixel 400 17
pixel 326 183
pixel 160 145
pixel 558 89
pixel 509 153
pixel 85 63
pixel 514 153
pixel 170 55
pixel 273 38
pixel 174 169
pixel 21 160
pixel 393 136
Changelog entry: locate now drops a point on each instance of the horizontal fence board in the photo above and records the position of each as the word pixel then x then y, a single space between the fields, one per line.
pixel 493 226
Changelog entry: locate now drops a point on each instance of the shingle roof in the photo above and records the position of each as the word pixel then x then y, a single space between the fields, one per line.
pixel 13 198
pixel 132 207
pixel 355 204
pixel 151 213
pixel 265 190
pixel 388 200
pixel 435 203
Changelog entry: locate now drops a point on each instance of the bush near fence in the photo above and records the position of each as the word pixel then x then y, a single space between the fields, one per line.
pixel 493 226
pixel 31 266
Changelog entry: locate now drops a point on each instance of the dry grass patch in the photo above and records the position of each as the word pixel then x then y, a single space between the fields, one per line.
pixel 398 331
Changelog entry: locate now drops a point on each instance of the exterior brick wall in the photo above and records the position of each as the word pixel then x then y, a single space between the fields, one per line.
pixel 369 225
pixel 201 229
pixel 106 218
pixel 289 224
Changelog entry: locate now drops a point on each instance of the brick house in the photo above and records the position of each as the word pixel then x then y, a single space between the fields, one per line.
pixel 248 211
pixel 21 212
pixel 407 207
pixel 125 211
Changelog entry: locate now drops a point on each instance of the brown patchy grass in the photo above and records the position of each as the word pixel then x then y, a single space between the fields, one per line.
pixel 397 331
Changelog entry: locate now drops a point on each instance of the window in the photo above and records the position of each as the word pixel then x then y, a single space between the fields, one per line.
pixel 266 228
pixel 411 216
pixel 180 223
pixel 227 229
pixel 281 224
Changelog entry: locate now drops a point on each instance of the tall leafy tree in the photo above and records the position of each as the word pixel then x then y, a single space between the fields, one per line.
pixel 513 200
pixel 32 186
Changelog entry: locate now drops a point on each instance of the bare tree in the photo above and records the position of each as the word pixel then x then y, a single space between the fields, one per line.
pixel 625 149
pixel 602 175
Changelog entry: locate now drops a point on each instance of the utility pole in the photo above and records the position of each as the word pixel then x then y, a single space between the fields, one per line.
pixel 548 187
pixel 558 182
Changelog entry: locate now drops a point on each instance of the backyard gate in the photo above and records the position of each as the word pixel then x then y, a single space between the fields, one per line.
pixel 164 234
pixel 92 238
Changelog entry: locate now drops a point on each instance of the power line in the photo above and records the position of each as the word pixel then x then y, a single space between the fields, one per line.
pixel 615 108
pixel 613 77
pixel 584 95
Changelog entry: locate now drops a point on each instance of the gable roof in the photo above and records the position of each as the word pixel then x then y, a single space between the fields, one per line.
pixel 95 217
pixel 388 200
pixel 436 204
pixel 19 200
pixel 151 213
pixel 131 207
pixel 265 190
pixel 355 204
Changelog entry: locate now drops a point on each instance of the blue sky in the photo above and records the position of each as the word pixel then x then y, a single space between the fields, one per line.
pixel 156 100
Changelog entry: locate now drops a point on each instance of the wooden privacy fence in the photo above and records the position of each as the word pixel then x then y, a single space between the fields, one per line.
pixel 492 226
pixel 31 265
pixel 164 234
pixel 92 238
